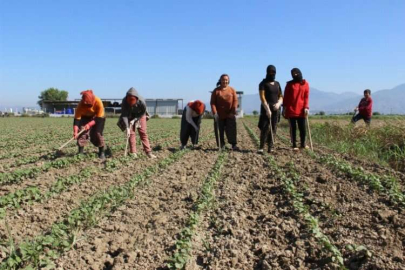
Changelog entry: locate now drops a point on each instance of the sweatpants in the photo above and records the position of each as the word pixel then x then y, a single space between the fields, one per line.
pixel 142 134
pixel 94 134
pixel 266 133
pixel 188 131
pixel 293 130
pixel 227 126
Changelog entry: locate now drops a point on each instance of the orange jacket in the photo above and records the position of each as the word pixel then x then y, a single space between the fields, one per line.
pixel 96 111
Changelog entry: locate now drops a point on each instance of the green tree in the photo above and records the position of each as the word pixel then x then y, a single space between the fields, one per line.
pixel 53 94
pixel 255 112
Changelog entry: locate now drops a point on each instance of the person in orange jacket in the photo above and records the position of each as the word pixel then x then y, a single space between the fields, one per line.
pixel 296 106
pixel 89 115
pixel 223 105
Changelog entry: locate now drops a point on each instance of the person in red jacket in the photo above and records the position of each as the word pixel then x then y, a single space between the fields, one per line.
pixel 296 106
pixel 365 108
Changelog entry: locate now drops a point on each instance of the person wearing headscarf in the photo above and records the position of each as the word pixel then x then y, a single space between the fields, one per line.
pixel 271 99
pixel 296 106
pixel 190 122
pixel 224 103
pixel 365 109
pixel 133 117
pixel 89 115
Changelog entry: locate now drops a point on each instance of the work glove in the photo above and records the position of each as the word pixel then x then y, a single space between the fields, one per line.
pixel 277 106
pixel 196 129
pixel 216 117
pixel 268 111
pixel 132 122
pixel 89 125
pixel 306 112
pixel 75 131
pixel 128 132
pixel 137 125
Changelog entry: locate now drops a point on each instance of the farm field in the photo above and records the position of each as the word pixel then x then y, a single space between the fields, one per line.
pixel 197 208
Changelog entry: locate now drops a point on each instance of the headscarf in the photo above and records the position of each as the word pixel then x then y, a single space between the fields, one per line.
pixel 296 75
pixel 197 106
pixel 88 98
pixel 271 73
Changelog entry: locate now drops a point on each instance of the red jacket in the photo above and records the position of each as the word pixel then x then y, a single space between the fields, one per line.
pixel 296 98
pixel 366 107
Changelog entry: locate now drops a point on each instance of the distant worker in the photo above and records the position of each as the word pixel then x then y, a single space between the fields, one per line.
pixel 365 109
pixel 223 105
pixel 133 117
pixel 89 115
pixel 296 106
pixel 271 98
pixel 190 122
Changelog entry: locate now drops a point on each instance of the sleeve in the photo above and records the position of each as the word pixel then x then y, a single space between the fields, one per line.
pixel 189 117
pixel 79 111
pixel 370 105
pixel 306 97
pixel 262 97
pixel 280 92
pixel 261 86
pixel 124 113
pixel 213 102
pixel 286 100
pixel 235 100
pixel 99 109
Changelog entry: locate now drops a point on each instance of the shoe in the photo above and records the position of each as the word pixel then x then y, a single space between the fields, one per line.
pixel 270 150
pixel 101 154
pixel 260 151
pixel 304 147
pixel 133 155
pixel 296 149
pixel 81 149
pixel 235 148
pixel 150 155
pixel 182 147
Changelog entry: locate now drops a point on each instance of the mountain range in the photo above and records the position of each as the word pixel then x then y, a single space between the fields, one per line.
pixel 387 101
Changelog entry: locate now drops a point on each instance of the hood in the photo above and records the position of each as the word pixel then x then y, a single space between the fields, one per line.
pixel 132 92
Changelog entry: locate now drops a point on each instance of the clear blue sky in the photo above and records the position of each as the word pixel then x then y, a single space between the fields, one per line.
pixel 178 49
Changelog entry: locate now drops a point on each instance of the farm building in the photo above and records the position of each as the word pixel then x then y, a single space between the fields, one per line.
pixel 161 107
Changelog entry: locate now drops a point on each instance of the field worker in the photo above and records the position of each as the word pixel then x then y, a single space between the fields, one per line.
pixel 133 116
pixel 190 122
pixel 296 106
pixel 223 105
pixel 365 109
pixel 271 98
pixel 89 115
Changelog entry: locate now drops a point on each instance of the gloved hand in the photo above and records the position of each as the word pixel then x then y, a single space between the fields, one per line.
pixel 75 131
pixel 128 132
pixel 196 129
pixel 89 125
pixel 216 117
pixel 277 106
pixel 306 112
pixel 132 122
pixel 137 125
pixel 268 111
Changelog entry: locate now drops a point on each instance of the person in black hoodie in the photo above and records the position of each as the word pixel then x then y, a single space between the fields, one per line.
pixel 271 98
pixel 133 116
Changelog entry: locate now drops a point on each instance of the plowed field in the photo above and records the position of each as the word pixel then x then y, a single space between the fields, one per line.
pixel 193 209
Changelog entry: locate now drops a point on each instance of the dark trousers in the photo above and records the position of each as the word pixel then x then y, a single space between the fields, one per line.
pixel 293 130
pixel 358 116
pixel 267 134
pixel 227 126
pixel 188 131
pixel 95 134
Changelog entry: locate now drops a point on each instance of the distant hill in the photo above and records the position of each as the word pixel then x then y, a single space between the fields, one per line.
pixel 385 101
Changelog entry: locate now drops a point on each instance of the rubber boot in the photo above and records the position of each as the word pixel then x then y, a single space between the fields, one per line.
pixel 101 154
pixel 81 149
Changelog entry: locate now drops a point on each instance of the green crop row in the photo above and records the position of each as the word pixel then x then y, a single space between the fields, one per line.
pixel 184 243
pixel 288 183
pixel 40 251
